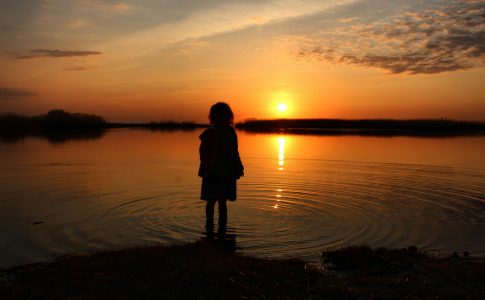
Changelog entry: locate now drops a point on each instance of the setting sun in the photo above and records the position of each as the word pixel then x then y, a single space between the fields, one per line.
pixel 282 107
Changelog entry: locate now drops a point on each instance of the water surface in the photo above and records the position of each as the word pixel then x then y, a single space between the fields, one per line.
pixel 301 194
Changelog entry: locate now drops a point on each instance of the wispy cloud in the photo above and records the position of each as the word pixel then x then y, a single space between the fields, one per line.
pixel 112 5
pixel 7 93
pixel 229 17
pixel 79 68
pixel 119 6
pixel 78 24
pixel 446 38
pixel 41 53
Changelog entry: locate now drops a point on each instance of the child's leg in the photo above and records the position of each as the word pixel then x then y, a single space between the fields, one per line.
pixel 222 215
pixel 209 215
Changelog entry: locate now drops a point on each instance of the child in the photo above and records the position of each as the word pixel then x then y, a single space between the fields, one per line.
pixel 220 164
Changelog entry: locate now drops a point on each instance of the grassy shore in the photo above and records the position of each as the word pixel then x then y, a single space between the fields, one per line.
pixel 369 127
pixel 207 270
pixel 59 126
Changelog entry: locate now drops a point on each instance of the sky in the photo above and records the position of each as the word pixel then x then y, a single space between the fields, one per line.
pixel 148 60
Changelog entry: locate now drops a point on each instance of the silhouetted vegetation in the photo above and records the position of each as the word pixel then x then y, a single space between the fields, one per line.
pixel 56 119
pixel 377 127
pixel 204 270
pixel 184 125
pixel 363 257
pixel 57 126
pixel 161 125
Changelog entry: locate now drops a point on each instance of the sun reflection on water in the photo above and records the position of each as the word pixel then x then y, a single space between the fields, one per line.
pixel 281 153
pixel 281 162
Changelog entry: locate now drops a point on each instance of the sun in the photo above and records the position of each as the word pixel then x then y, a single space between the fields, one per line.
pixel 282 107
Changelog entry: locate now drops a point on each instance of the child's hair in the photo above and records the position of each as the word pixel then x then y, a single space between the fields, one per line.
pixel 221 114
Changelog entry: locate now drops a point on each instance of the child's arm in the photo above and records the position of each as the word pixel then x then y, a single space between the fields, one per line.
pixel 206 151
pixel 239 164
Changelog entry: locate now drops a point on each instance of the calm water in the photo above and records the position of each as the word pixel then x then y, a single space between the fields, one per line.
pixel 301 194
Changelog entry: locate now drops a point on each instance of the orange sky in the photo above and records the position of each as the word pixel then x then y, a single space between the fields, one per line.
pixel 141 61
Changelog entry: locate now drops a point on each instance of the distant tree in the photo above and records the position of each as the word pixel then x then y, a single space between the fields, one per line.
pixel 60 119
pixel 11 121
pixel 56 119
pixel 57 126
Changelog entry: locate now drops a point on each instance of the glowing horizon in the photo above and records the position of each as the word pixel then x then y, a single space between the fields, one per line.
pixel 135 61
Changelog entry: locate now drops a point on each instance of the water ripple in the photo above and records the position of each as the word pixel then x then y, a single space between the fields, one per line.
pixel 290 212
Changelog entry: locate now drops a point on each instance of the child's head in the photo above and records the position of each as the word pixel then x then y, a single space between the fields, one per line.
pixel 221 114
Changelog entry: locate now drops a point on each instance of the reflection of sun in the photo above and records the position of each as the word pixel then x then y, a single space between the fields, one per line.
pixel 282 107
pixel 281 153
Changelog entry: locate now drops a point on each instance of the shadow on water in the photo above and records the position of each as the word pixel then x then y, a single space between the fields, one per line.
pixel 53 136
pixel 225 241
pixel 59 136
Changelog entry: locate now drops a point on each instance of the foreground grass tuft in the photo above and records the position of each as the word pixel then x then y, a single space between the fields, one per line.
pixel 363 257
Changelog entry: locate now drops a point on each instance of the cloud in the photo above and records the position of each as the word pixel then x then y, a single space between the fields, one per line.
pixel 40 53
pixel 78 24
pixel 112 5
pixel 14 93
pixel 445 38
pixel 225 18
pixel 79 68
pixel 121 6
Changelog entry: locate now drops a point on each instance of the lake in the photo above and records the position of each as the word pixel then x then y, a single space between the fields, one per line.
pixel 301 193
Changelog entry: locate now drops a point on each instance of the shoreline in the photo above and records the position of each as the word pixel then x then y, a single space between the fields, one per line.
pixel 366 127
pixel 364 132
pixel 211 269
pixel 59 126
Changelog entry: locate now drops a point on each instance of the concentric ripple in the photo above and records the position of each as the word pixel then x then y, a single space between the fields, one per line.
pixel 334 203
pixel 296 207
pixel 293 213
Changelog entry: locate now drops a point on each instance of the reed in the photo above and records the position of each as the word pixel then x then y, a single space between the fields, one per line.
pixel 379 127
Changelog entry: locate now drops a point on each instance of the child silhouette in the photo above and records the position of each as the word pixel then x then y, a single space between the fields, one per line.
pixel 220 164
